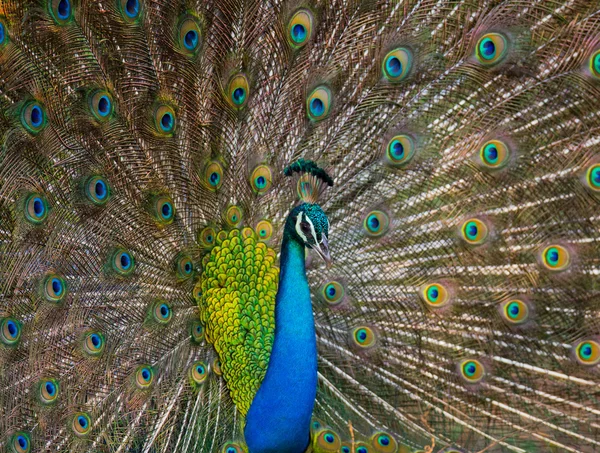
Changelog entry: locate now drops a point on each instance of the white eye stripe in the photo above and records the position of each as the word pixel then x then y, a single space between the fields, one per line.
pixel 299 228
pixel 312 230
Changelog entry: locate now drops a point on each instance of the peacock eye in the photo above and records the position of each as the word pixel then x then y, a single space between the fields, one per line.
pixel 305 227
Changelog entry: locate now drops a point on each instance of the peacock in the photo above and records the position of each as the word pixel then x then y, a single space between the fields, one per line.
pixel 295 226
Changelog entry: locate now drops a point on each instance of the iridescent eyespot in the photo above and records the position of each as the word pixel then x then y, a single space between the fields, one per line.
pixel 81 424
pixel 122 262
pixel 207 237
pixel 556 258
pixel 48 390
pixel 264 230
pixel 491 49
pixel 144 377
pixel 33 117
pixel 384 442
pixel 162 312
pixel 233 216
pixel 93 344
pixel 364 337
pixel 164 120
pixel 97 190
pixel 238 91
pixel 197 331
pixel 361 447
pixel 216 366
pixel 471 370
pixel 515 311
pixel 185 267
pixel 130 9
pixel 494 155
pixel 397 64
pixel 315 425
pixel 333 292
pixel 3 34
pixel 587 352
pixel 20 443
pixel 101 105
pixel 328 440
pixel 300 28
pixel 189 36
pixel 163 209
pixel 345 448
pixel 232 447
pixel 595 64
pixel 54 288
pixel 199 372
pixel 593 177
pixel 213 175
pixel 400 150
pixel 61 11
pixel 36 208
pixel 376 223
pixel 435 295
pixel 318 103
pixel 474 231
pixel 10 331
pixel 261 179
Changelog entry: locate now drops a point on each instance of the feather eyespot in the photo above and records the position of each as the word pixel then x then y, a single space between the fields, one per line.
pixel 318 103
pixel 400 150
pixel 189 36
pixel 3 34
pixel 232 447
pixel 197 330
pixel 207 237
pixel 165 120
pixel 556 258
pixel 48 390
pixel 491 49
pixel 238 91
pixel 101 105
pixel 81 424
pixel 161 312
pixel 93 344
pixel 20 442
pixel 300 28
pixel 264 230
pixel 435 295
pixel 36 208
pixel 198 372
pixel 471 370
pixel 261 179
pixel 587 352
pixel 10 331
pixel 122 262
pixel 333 292
pixel 361 447
pixel 144 377
pixel 61 11
pixel 515 311
pixel 494 155
pixel 233 216
pixel 474 231
pixel 345 448
pixel 163 209
pixel 54 288
pixel 33 117
pixel 397 64
pixel 595 64
pixel 376 223
pixel 328 440
pixel 216 366
pixel 97 190
pixel 185 267
pixel 593 177
pixel 363 337
pixel 213 175
pixel 384 442
pixel 130 9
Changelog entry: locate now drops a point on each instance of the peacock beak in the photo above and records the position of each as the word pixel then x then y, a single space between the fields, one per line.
pixel 323 250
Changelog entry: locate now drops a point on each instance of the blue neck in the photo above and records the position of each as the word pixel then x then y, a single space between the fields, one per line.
pixel 280 414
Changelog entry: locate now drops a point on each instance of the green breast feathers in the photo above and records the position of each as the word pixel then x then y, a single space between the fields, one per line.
pixel 236 296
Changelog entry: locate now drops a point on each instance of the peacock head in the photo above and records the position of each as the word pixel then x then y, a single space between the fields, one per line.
pixel 310 226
